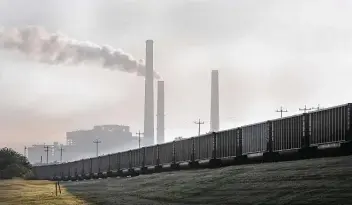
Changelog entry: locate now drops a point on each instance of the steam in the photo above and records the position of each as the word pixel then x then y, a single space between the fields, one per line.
pixel 58 49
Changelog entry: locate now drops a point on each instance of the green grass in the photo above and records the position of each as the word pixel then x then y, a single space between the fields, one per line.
pixel 314 181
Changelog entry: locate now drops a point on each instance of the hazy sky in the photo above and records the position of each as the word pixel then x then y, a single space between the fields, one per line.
pixel 268 53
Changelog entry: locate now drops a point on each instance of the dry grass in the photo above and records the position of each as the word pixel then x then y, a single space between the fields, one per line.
pixel 18 192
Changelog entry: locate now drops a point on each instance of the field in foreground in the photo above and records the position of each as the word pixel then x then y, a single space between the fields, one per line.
pixel 33 192
pixel 314 181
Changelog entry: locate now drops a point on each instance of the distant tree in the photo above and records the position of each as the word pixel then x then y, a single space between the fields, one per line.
pixel 13 164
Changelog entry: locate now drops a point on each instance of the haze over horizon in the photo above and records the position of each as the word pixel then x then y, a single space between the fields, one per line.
pixel 269 54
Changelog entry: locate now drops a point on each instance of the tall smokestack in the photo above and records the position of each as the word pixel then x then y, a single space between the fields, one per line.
pixel 149 96
pixel 161 113
pixel 214 110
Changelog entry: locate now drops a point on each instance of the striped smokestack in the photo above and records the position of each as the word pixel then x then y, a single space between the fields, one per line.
pixel 161 113
pixel 149 96
pixel 214 110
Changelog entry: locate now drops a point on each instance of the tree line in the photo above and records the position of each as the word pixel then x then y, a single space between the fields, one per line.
pixel 13 164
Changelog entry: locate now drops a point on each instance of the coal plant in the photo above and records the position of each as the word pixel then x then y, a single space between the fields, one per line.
pixel 214 110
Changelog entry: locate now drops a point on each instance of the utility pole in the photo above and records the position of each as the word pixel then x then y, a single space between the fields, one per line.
pixel 139 133
pixel 61 149
pixel 281 111
pixel 97 143
pixel 47 153
pixel 317 108
pixel 198 123
pixel 41 159
pixel 305 109
pixel 25 151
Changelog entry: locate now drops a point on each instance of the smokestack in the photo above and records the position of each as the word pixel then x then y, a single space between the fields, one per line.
pixel 149 96
pixel 161 113
pixel 214 110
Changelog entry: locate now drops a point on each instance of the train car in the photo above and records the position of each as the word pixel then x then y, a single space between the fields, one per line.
pixel 287 133
pixel 330 125
pixel 151 156
pixel 136 157
pixel 203 146
pixel 184 149
pixel 124 160
pixel 95 165
pixel 226 143
pixel 104 163
pixel 166 153
pixel 113 162
pixel 255 138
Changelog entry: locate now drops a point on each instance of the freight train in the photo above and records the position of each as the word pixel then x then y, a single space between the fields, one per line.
pixel 302 133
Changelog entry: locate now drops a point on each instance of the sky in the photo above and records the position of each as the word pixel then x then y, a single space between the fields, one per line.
pixel 269 54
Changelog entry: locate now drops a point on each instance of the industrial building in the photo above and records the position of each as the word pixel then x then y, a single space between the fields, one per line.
pixel 36 154
pixel 80 144
pixel 112 138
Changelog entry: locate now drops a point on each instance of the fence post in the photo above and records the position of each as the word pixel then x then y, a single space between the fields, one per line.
pixel 55 188
pixel 58 184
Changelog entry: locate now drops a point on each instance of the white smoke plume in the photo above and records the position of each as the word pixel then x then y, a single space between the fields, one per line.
pixel 56 48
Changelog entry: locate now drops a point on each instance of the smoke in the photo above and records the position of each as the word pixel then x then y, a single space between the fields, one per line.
pixel 58 49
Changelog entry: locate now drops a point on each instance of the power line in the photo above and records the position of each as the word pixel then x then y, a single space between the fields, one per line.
pixel 199 123
pixel 139 133
pixel 281 111
pixel 46 147
pixel 305 109
pixel 97 143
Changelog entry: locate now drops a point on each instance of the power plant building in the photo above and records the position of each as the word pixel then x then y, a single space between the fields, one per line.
pixel 113 138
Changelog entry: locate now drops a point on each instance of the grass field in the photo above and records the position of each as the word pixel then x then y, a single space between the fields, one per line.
pixel 314 181
pixel 34 192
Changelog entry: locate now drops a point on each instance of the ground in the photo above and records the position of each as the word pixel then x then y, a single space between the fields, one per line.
pixel 313 181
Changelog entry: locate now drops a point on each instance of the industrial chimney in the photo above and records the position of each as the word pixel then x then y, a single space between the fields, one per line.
pixel 214 110
pixel 161 113
pixel 149 96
